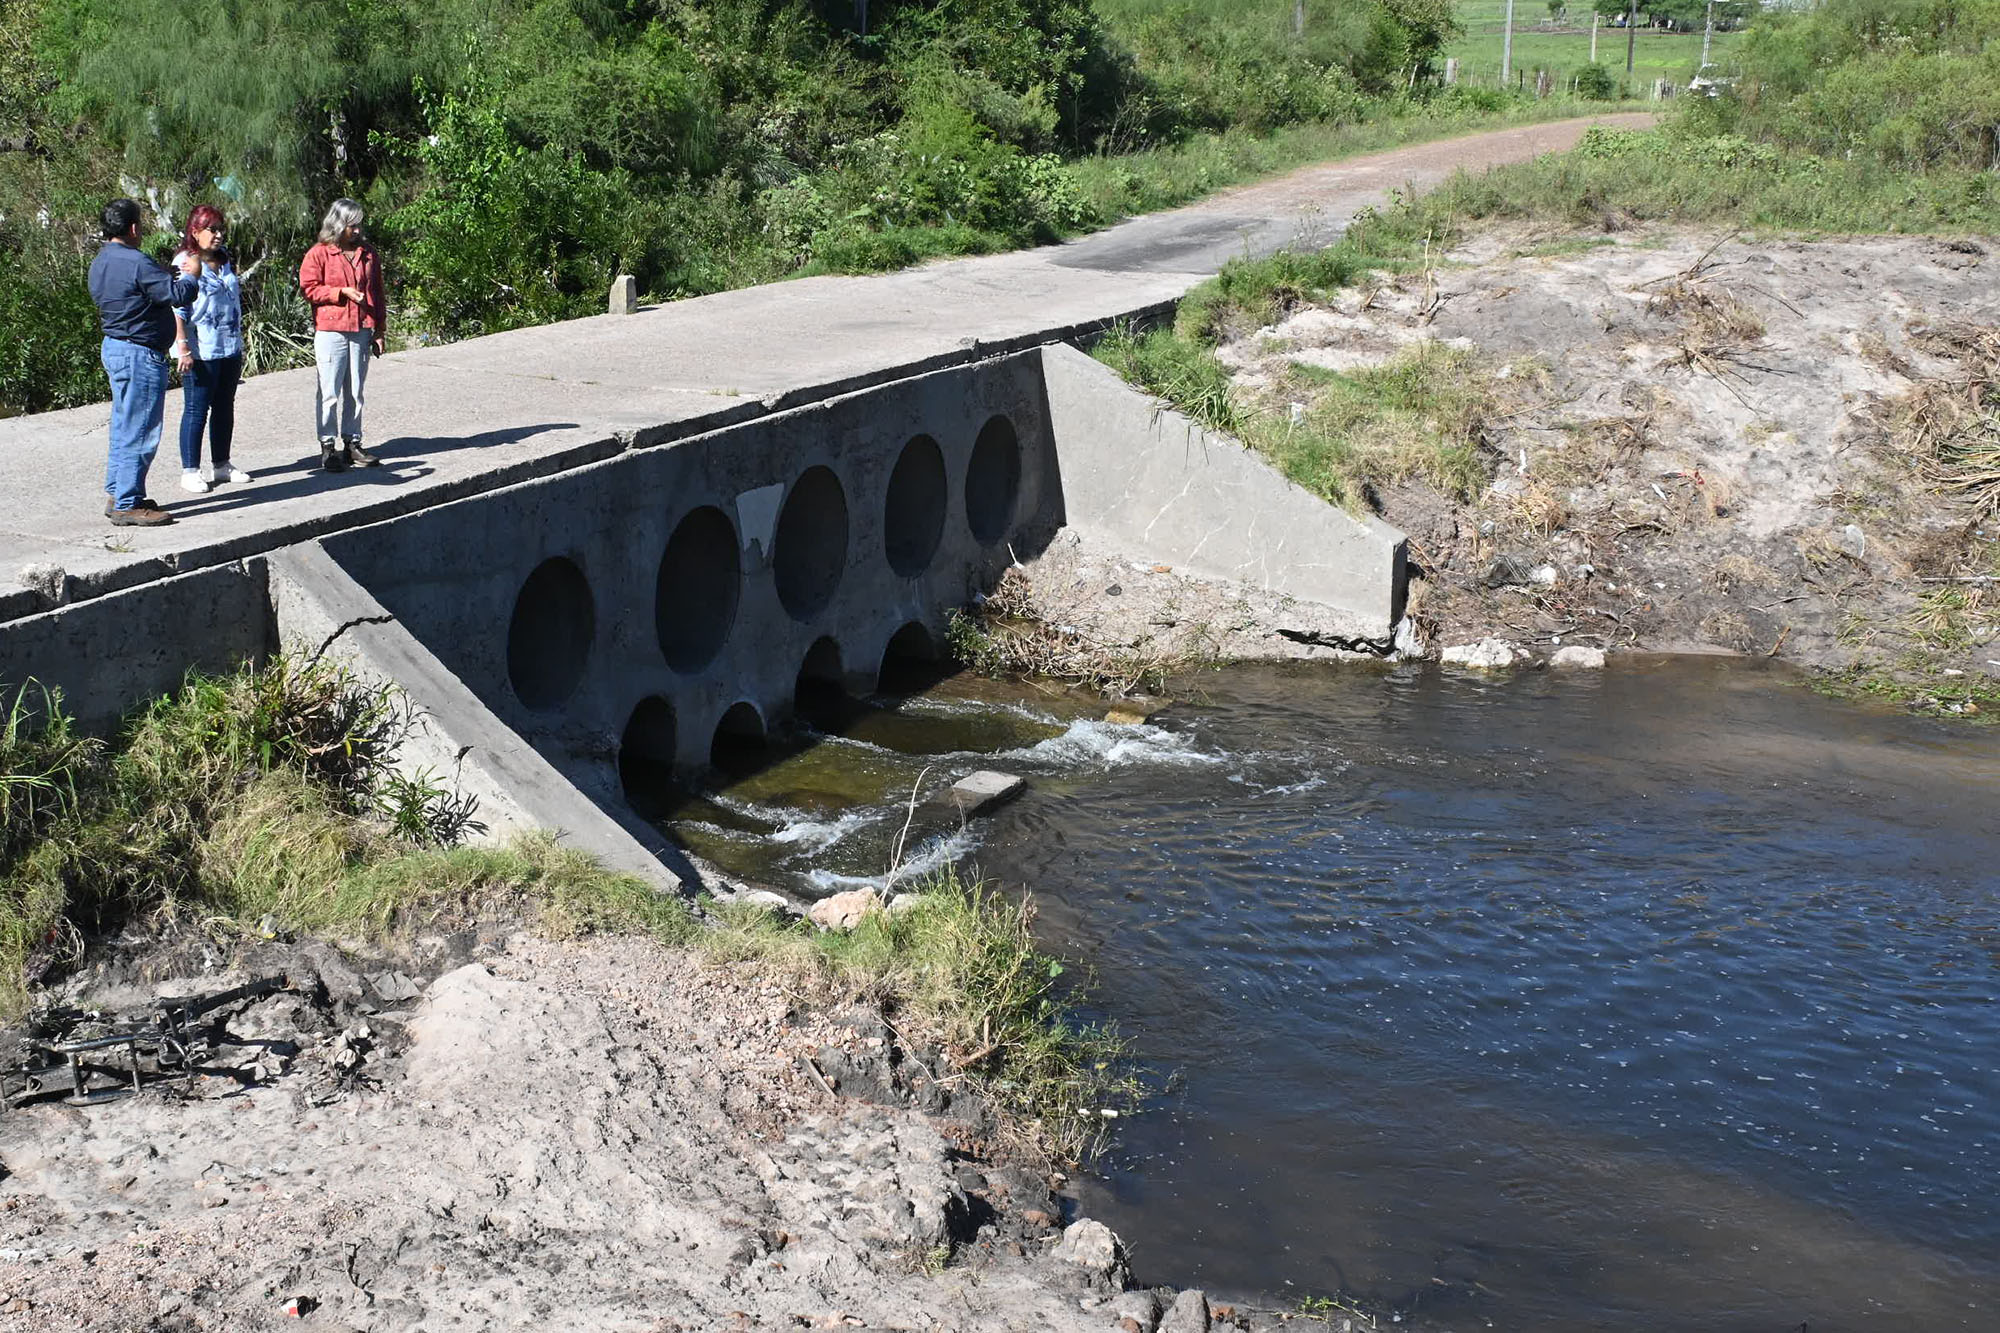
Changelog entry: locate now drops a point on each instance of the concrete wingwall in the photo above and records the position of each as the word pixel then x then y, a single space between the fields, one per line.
pixel 1157 485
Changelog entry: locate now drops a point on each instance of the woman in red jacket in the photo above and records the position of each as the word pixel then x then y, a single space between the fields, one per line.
pixel 342 277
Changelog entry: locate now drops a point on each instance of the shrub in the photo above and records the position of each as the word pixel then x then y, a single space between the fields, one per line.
pixel 1595 82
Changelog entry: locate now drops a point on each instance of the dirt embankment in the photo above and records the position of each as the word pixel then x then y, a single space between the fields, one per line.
pixel 509 1133
pixel 1784 448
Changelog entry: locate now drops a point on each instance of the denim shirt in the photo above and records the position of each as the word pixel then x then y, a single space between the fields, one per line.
pixel 215 320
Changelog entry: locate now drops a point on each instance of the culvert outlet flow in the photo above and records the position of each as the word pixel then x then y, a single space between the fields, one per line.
pixel 914 510
pixel 548 639
pixel 993 481
pixel 809 553
pixel 701 578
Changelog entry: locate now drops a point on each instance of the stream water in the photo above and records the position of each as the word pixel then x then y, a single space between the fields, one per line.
pixel 1663 997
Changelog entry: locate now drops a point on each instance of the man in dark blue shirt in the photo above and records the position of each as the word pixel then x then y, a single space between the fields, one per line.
pixel 135 303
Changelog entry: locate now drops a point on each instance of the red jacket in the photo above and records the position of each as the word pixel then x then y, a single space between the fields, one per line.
pixel 324 271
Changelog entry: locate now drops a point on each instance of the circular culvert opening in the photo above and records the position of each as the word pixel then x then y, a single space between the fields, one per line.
pixel 646 757
pixel 993 480
pixel 820 699
pixel 912 662
pixel 694 603
pixel 548 640
pixel 809 553
pixel 740 745
pixel 913 514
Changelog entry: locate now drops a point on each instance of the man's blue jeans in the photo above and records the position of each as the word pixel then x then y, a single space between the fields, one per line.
pixel 138 403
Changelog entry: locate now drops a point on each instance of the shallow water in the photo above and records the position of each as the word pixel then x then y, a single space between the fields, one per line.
pixel 1662 997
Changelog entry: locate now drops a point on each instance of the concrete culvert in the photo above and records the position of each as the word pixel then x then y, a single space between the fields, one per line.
pixel 646 757
pixel 701 577
pixel 913 513
pixel 993 481
pixel 809 553
pixel 912 661
pixel 740 744
pixel 548 640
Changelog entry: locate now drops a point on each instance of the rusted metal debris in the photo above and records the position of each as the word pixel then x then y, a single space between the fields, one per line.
pixel 84 1059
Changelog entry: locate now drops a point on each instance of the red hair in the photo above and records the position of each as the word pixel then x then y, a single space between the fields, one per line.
pixel 204 215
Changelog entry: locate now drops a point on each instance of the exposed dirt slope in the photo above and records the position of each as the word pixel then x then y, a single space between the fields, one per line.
pixel 1778 447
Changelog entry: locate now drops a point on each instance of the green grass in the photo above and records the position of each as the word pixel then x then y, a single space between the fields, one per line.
pixel 1656 55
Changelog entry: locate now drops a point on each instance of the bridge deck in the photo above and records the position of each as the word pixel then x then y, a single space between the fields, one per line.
pixel 453 420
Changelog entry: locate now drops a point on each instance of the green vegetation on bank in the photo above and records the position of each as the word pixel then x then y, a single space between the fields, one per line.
pixel 514 159
pixel 267 802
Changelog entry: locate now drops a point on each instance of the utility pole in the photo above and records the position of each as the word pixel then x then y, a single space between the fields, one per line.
pixel 1298 18
pixel 1631 34
pixel 1708 34
pixel 1507 47
pixel 1594 16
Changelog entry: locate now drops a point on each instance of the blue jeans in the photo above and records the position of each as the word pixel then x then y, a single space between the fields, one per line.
pixel 138 403
pixel 208 394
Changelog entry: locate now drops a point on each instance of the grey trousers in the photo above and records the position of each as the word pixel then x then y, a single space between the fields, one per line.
pixel 343 370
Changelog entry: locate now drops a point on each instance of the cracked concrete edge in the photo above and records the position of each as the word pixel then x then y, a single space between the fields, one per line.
pixel 320 611
pixel 1161 487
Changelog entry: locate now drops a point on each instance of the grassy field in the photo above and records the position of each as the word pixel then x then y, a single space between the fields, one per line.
pixel 1539 45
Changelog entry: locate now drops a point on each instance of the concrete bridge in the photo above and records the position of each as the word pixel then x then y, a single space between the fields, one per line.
pixel 614 540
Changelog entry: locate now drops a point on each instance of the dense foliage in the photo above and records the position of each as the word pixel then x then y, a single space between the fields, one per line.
pixel 514 157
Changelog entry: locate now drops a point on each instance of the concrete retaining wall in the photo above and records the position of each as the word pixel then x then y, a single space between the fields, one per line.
pixel 1158 486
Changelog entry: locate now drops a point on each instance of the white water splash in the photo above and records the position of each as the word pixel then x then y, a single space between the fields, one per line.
pixel 1091 744
pixel 816 835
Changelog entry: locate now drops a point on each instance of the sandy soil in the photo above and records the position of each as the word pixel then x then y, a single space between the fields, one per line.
pixel 608 1135
pixel 1691 446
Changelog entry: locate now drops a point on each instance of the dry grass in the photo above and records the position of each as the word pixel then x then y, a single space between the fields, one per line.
pixel 1011 634
pixel 1950 425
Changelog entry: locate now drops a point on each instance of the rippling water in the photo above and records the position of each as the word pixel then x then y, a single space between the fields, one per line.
pixel 1657 998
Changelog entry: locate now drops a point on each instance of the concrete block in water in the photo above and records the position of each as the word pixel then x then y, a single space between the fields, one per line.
pixel 978 793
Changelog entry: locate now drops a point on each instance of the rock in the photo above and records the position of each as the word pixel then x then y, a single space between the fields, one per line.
pixel 843 911
pixel 1486 655
pixel 1094 1250
pixel 904 903
pixel 1854 541
pixel 1142 1308
pixel 1188 1315
pixel 624 295
pixel 1543 576
pixel 1508 571
pixel 1588 659
pixel 977 793
pixel 395 987
pixel 1127 715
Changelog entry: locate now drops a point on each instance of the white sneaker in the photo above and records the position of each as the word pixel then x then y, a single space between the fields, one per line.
pixel 191 481
pixel 208 473
pixel 230 472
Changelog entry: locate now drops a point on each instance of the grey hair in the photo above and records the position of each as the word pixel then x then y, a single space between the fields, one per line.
pixel 340 215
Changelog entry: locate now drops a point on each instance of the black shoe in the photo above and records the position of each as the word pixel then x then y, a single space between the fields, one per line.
pixel 331 456
pixel 359 456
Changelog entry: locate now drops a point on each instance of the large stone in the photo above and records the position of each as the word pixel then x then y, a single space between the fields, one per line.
pixel 1579 657
pixel 1189 1314
pixel 844 911
pixel 624 295
pixel 1486 655
pixel 1094 1250
pixel 1141 1307
pixel 977 793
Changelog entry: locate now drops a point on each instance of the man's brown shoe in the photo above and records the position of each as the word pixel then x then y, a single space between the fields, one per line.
pixel 357 455
pixel 111 506
pixel 141 515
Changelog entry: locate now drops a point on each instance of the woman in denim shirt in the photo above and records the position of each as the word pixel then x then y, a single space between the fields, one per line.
pixel 210 352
